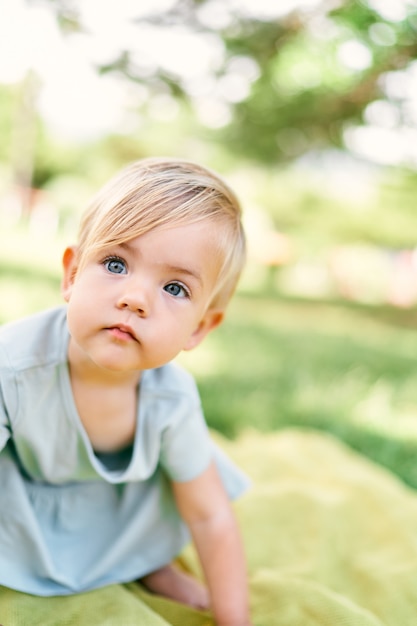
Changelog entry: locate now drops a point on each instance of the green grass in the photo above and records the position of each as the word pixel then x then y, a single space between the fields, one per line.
pixel 346 369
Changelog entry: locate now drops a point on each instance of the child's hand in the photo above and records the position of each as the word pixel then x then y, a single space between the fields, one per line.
pixel 171 582
pixel 234 623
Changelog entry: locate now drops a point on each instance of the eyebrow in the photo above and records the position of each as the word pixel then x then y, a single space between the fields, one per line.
pixel 183 270
pixel 172 268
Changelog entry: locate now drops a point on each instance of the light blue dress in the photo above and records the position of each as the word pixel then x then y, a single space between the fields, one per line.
pixel 72 520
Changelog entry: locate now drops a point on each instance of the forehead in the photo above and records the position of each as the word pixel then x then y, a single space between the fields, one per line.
pixel 192 249
pixel 194 240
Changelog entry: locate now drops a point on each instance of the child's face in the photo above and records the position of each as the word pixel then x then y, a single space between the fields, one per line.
pixel 136 305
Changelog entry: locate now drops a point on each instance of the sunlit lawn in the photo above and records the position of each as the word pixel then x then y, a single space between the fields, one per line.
pixel 277 362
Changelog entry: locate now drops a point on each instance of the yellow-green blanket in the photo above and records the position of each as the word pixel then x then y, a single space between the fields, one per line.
pixel 331 540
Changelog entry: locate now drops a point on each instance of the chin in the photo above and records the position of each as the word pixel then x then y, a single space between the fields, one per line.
pixel 118 367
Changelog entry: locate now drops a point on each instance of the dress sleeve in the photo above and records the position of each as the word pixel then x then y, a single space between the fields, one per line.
pixel 186 448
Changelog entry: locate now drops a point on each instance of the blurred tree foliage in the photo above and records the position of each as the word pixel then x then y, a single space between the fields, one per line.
pixel 288 86
pixel 308 81
pixel 306 96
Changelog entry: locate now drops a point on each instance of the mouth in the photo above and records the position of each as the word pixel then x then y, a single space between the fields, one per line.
pixel 122 332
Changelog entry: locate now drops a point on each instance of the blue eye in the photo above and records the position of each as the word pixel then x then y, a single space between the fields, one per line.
pixel 114 265
pixel 177 290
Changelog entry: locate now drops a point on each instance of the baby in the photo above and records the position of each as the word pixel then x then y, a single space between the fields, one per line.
pixel 106 464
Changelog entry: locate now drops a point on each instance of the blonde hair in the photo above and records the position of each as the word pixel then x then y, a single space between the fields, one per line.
pixel 157 192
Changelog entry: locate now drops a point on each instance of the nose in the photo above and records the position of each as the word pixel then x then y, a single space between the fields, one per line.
pixel 135 297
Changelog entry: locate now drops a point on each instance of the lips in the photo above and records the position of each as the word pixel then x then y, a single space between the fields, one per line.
pixel 122 332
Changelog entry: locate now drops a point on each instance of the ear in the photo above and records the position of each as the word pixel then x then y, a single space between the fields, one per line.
pixel 210 321
pixel 70 265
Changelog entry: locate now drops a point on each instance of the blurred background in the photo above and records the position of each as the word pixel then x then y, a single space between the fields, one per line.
pixel 309 110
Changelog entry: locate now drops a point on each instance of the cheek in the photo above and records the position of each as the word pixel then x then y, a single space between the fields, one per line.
pixel 73 318
pixel 80 309
pixel 85 290
pixel 183 322
pixel 171 329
